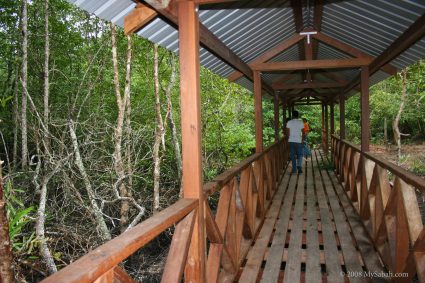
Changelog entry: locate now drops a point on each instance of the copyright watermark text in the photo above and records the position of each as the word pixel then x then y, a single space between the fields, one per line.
pixel 373 274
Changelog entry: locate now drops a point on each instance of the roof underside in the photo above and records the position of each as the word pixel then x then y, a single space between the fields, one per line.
pixel 250 28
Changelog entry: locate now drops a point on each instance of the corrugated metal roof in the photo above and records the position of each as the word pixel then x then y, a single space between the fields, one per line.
pixel 249 28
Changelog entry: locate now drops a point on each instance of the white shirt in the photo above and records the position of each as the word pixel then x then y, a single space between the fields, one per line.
pixel 295 127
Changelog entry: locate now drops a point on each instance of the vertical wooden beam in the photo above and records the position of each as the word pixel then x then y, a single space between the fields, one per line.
pixel 323 125
pixel 191 133
pixel 342 116
pixel 332 118
pixel 364 105
pixel 284 107
pixel 276 117
pixel 258 107
pixel 326 129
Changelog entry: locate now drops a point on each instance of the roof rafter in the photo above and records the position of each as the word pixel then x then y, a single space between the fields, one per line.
pixel 409 37
pixel 210 42
pixel 138 18
pixel 269 54
pixel 350 50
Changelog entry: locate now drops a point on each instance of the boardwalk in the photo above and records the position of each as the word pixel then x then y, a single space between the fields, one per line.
pixel 311 233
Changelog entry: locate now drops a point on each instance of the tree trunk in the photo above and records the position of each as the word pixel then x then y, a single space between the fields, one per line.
pixel 46 139
pixel 104 232
pixel 6 271
pixel 24 80
pixel 159 130
pixel 396 130
pixel 172 124
pixel 385 130
pixel 121 103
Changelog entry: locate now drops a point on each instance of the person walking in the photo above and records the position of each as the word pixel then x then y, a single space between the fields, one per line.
pixel 295 128
pixel 306 148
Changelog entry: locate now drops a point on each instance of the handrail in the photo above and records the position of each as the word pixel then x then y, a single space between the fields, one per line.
pixel 407 176
pixel 389 210
pixel 106 257
pixel 226 176
pixel 246 191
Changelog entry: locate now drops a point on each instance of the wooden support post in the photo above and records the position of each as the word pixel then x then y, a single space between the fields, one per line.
pixel 342 117
pixel 323 125
pixel 332 118
pixel 258 107
pixel 326 129
pixel 284 106
pixel 276 117
pixel 364 105
pixel 191 133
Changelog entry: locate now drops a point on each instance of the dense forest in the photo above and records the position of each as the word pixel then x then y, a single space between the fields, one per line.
pixel 90 132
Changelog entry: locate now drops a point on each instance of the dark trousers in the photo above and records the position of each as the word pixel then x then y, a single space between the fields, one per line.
pixel 296 154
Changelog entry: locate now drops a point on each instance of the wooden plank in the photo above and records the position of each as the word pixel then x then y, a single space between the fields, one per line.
pixel 312 270
pixel 258 108
pixel 369 255
pixel 342 117
pixel 364 107
pixel 293 265
pixel 179 248
pixel 351 257
pixel 97 262
pixel 138 18
pixel 333 267
pixel 312 64
pixel 274 258
pixel 191 132
pixel 121 276
pixel 280 86
pixel 256 254
pixel 107 277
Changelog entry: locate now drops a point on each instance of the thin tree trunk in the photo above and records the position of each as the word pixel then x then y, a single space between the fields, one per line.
pixel 396 130
pixel 159 130
pixel 104 232
pixel 121 103
pixel 46 139
pixel 171 123
pixel 15 120
pixel 385 130
pixel 6 271
pixel 24 84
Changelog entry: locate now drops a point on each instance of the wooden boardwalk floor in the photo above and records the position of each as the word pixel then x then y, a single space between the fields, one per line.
pixel 312 234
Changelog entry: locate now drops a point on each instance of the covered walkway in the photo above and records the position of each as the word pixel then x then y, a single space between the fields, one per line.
pixel 312 233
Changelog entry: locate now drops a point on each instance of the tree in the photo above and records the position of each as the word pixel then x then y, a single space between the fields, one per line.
pixel 397 134
pixel 24 82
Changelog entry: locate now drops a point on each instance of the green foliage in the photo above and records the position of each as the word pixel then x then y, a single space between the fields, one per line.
pixel 418 166
pixel 19 217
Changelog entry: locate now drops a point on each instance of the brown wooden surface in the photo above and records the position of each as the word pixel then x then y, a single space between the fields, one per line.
pixel 121 276
pixel 281 86
pixel 138 18
pixel 364 108
pixel 311 64
pixel 179 248
pixel 104 258
pixel 258 108
pixel 190 98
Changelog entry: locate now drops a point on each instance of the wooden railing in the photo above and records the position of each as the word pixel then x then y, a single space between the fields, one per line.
pixel 245 192
pixel 385 197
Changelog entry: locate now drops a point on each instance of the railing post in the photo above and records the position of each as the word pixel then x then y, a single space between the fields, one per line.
pixel 284 106
pixel 276 117
pixel 341 117
pixel 191 133
pixel 326 129
pixel 258 108
pixel 364 104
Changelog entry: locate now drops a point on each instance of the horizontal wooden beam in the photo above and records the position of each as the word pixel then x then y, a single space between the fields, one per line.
pixel 308 85
pixel 269 54
pixel 138 18
pixel 312 64
pixel 350 50
pixel 204 2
